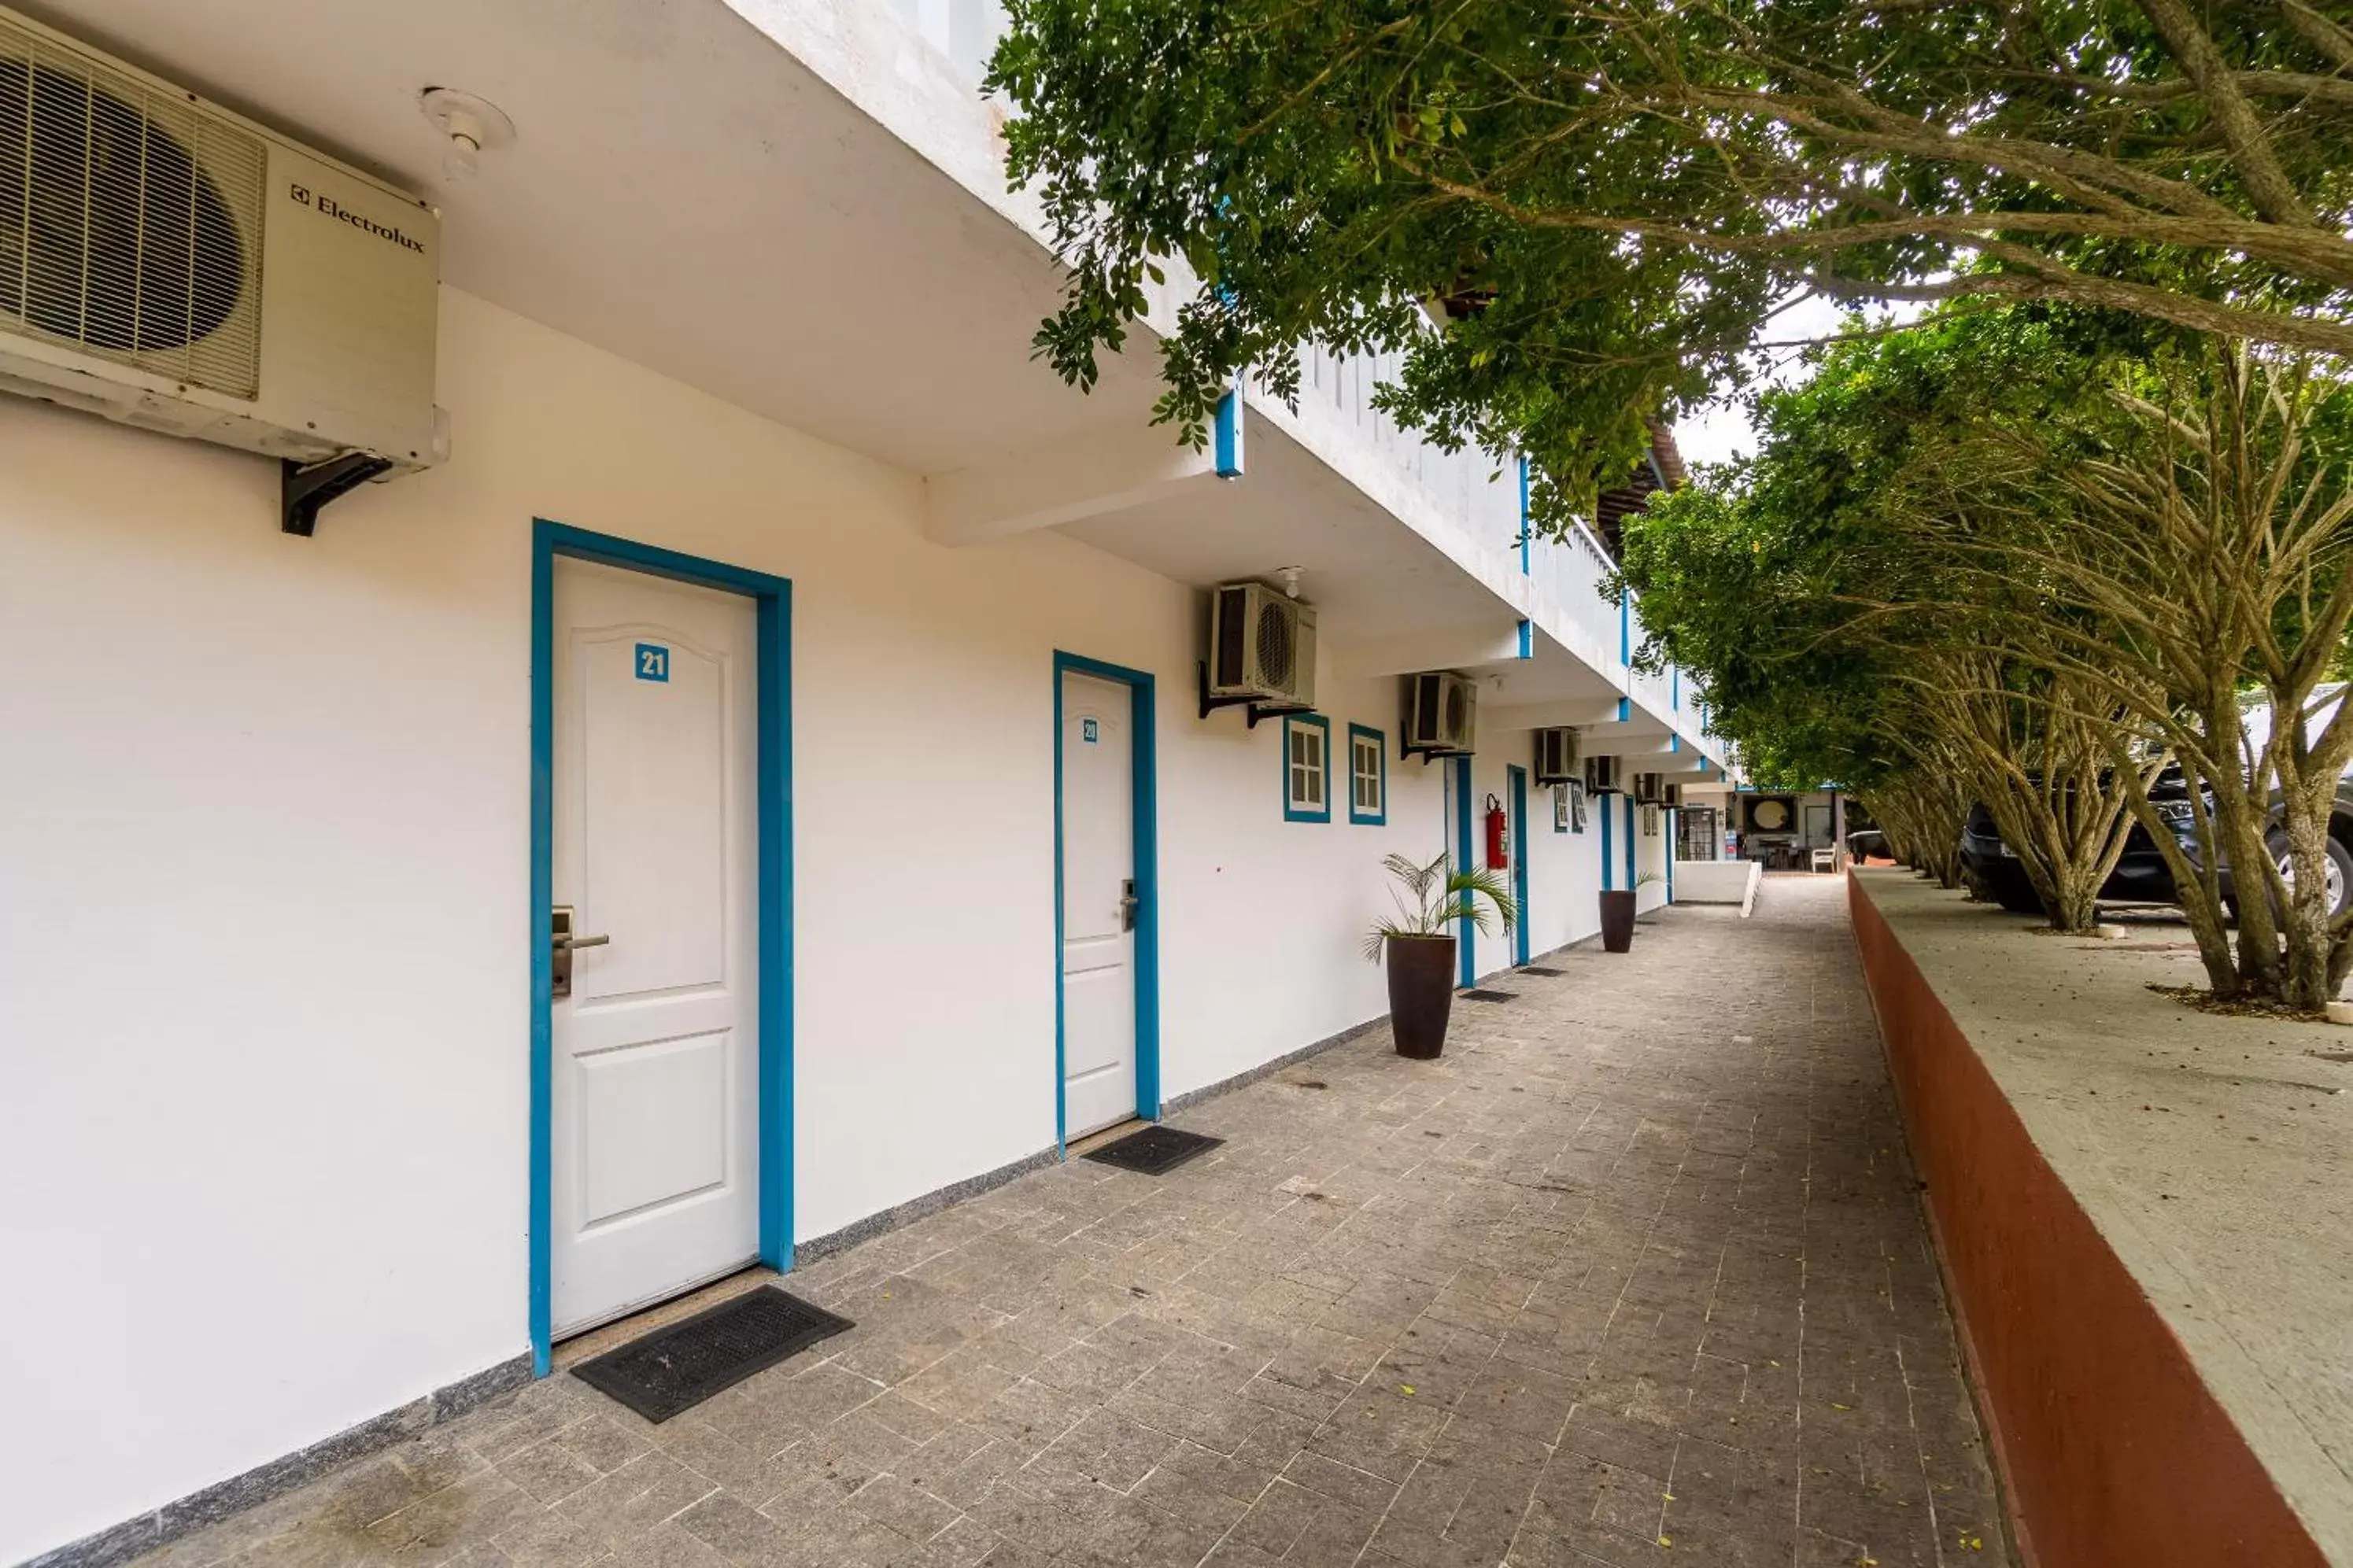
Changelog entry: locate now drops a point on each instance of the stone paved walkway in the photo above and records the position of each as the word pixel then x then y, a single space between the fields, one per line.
pixel 1636 1274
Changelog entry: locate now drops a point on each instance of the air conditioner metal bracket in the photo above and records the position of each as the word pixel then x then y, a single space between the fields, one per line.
pixel 1429 754
pixel 305 489
pixel 1258 709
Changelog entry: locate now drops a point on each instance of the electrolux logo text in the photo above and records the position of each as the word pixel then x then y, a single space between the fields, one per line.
pixel 327 207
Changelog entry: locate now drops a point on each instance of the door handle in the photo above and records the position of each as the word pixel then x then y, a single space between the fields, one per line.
pixel 1128 904
pixel 561 941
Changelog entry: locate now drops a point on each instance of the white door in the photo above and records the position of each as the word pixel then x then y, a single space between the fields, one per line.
pixel 655 1050
pixel 1098 905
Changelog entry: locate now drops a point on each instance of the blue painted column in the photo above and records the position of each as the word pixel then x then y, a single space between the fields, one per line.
pixel 1519 777
pixel 1630 841
pixel 1466 959
pixel 1227 438
pixel 1605 814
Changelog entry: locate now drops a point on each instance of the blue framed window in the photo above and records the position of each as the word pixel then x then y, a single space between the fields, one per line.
pixel 1306 768
pixel 1368 776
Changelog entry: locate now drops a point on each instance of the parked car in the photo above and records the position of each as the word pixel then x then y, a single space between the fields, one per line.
pixel 2141 875
pixel 2256 723
pixel 2340 852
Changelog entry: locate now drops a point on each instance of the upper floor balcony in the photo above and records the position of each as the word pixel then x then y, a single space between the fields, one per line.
pixel 800 207
pixel 1575 656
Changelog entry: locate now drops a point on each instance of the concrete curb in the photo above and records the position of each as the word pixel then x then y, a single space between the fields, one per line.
pixel 2112 1450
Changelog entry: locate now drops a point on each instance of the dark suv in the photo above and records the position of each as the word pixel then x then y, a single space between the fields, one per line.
pixel 2141 875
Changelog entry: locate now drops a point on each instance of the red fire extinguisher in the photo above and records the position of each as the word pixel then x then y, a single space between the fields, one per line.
pixel 1499 837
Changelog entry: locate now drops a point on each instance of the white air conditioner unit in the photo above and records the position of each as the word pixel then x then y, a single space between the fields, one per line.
pixel 1672 795
pixel 170 265
pixel 1646 788
pixel 1556 756
pixel 1442 714
pixel 1261 646
pixel 1603 775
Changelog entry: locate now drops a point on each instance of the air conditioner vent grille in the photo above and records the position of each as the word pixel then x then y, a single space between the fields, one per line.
pixel 130 222
pixel 1277 656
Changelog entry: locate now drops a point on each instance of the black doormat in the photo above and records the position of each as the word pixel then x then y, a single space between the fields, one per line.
pixel 1155 1150
pixel 1538 969
pixel 1476 996
pixel 679 1367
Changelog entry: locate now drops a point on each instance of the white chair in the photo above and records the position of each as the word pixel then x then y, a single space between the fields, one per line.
pixel 1825 860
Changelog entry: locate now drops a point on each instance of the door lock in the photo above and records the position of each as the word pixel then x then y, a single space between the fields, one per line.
pixel 1128 904
pixel 562 944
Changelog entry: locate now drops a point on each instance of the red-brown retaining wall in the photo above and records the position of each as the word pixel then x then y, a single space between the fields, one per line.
pixel 2111 1448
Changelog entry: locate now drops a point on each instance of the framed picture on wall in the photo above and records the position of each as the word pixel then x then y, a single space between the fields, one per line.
pixel 1560 808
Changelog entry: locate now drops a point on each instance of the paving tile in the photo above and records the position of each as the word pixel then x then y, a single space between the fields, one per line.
pixel 623 1507
pixel 549 1471
pixel 1601 1274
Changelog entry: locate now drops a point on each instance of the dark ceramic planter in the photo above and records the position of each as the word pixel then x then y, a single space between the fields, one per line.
pixel 1421 993
pixel 1617 921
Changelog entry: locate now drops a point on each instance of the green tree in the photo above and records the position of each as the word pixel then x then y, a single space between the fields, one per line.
pixel 2190 530
pixel 2086 550
pixel 1570 217
pixel 1798 585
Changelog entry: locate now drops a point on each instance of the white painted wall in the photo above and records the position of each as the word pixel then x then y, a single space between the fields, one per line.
pixel 1564 870
pixel 1714 881
pixel 1564 873
pixel 1653 851
pixel 263 887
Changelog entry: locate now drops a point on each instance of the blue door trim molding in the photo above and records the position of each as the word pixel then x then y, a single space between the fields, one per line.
pixel 1519 783
pixel 1669 817
pixel 1323 725
pixel 1144 824
pixel 773 599
pixel 1466 961
pixel 1381 756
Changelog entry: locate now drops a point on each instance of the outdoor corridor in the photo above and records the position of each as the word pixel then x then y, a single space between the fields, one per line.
pixel 1637 1273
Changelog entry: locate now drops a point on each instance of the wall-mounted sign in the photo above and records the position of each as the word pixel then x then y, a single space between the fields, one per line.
pixel 1090 731
pixel 653 661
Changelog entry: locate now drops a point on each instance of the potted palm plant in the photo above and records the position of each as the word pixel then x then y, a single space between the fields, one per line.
pixel 1617 913
pixel 1419 946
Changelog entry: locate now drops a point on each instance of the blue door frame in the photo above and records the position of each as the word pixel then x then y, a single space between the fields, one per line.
pixel 1519 782
pixel 1145 820
pixel 773 597
pixel 1466 958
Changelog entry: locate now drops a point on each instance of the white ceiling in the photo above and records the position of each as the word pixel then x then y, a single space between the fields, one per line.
pixel 681 191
